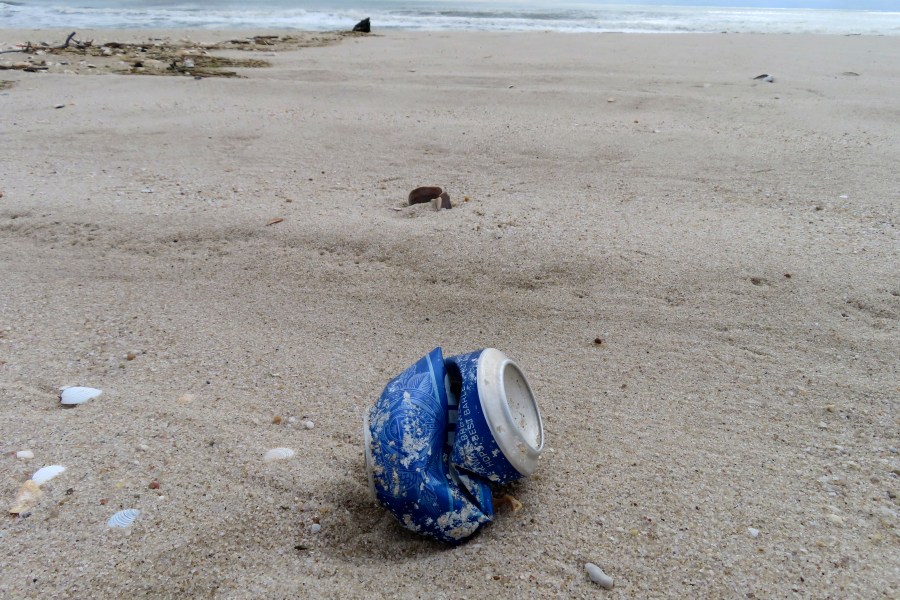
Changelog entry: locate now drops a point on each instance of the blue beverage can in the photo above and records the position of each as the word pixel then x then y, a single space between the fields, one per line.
pixel 407 452
pixel 499 431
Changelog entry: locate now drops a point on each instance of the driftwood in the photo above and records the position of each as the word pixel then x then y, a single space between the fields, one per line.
pixel 30 48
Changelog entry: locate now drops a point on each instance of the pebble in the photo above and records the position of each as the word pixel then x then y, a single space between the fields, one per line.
pixel 309 424
pixel 25 454
pixel 598 576
pixel 60 106
pixel 315 528
pixel 836 520
pixel 823 425
pixel 278 454
pixel 753 531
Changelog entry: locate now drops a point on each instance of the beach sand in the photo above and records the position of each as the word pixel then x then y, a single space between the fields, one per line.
pixel 698 272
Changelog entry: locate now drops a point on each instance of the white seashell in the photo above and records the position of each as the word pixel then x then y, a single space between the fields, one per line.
pixel 598 576
pixel 278 454
pixel 123 518
pixel 25 454
pixel 78 395
pixel 45 474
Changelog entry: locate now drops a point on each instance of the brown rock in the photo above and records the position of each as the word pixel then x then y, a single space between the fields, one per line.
pixel 421 195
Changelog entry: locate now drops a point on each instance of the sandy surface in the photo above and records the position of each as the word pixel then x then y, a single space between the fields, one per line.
pixel 733 243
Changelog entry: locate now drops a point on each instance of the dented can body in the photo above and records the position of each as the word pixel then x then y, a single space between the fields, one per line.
pixel 442 431
pixel 407 457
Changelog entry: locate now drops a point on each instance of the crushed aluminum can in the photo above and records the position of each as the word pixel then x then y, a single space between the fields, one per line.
pixel 499 431
pixel 441 431
pixel 408 457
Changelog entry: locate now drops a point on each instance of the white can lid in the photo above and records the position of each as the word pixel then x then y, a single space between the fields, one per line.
pixel 510 410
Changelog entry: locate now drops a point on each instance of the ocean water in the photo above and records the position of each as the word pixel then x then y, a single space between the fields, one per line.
pixel 881 18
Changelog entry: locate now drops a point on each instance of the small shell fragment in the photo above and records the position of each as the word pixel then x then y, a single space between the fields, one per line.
pixel 78 395
pixel 598 576
pixel 278 454
pixel 28 496
pixel 510 500
pixel 123 518
pixel 24 454
pixel 45 474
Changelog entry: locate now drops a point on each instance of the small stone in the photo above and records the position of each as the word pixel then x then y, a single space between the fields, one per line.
pixel 143 447
pixel 830 408
pixel 154 485
pixel 823 425
pixel 130 356
pixel 103 501
pixel 610 99
pixel 309 424
pixel 753 531
pixel 60 106
pixel 835 520
pixel 598 576
pixel 315 528
pixel 25 454
pixel 276 420
pixel 364 26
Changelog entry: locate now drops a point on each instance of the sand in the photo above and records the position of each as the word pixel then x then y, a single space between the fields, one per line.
pixel 697 271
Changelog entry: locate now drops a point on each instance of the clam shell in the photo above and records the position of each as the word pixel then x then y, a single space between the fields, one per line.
pixel 278 454
pixel 45 474
pixel 123 518
pixel 25 454
pixel 28 496
pixel 78 395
